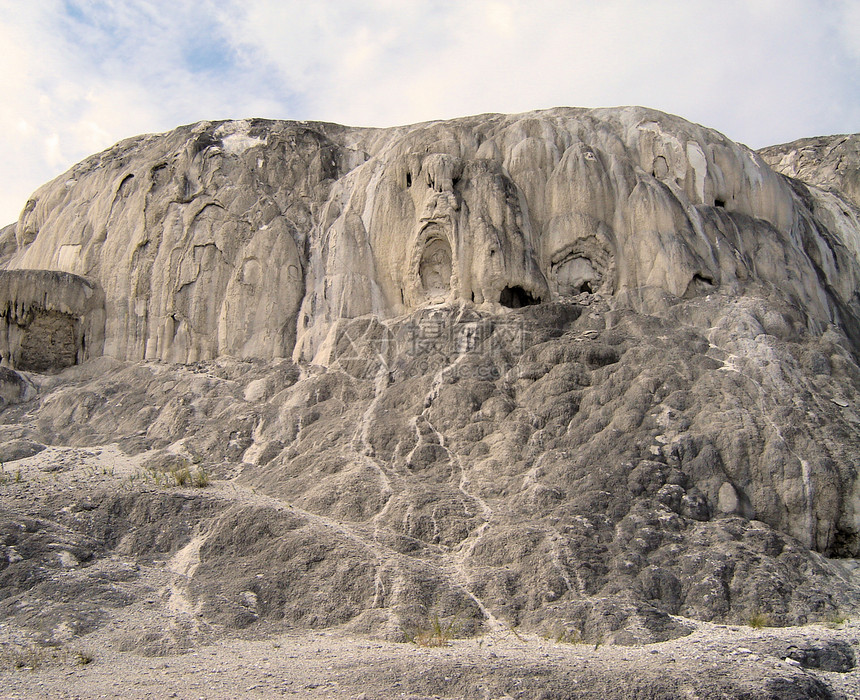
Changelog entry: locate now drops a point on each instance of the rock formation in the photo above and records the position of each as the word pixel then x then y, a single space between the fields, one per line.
pixel 52 319
pixel 830 163
pixel 578 368
pixel 208 240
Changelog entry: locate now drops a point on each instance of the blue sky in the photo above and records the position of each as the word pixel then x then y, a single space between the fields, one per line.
pixel 78 75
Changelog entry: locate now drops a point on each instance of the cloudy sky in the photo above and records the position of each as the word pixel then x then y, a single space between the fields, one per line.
pixel 78 75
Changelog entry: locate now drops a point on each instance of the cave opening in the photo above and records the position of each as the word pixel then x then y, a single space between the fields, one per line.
pixel 435 268
pixel 48 343
pixel 516 298
pixel 699 284
pixel 720 203
pixel 575 275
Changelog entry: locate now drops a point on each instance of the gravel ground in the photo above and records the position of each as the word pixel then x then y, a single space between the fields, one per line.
pixel 330 664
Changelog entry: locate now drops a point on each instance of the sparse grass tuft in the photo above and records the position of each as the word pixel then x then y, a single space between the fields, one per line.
pixel 25 657
pixel 435 634
pixel 562 635
pixel 759 621
pixel 200 479
pixel 181 476
pixel 31 657
pixel 178 473
pixel 82 658
pixel 569 637
pixel 836 620
pixel 513 629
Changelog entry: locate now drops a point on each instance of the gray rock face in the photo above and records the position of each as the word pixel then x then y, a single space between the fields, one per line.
pixel 580 371
pixel 827 162
pixel 51 320
pixel 252 238
pixel 14 387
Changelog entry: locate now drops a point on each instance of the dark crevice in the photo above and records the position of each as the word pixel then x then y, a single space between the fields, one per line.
pixel 48 343
pixel 845 545
pixel 516 298
pixel 123 185
pixel 409 179
pixel 202 142
pixel 586 287
pixel 699 284
pixel 720 203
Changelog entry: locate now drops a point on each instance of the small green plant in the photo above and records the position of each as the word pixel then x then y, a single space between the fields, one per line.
pixel 18 477
pixel 181 476
pixel 200 479
pixel 836 620
pixel 178 474
pixel 759 621
pixel 435 634
pixel 82 658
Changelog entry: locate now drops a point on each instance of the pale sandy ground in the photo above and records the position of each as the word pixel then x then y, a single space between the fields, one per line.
pixel 333 665
pixel 336 664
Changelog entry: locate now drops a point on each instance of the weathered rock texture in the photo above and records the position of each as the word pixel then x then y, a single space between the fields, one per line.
pixel 51 320
pixel 828 162
pixel 577 370
pixel 209 239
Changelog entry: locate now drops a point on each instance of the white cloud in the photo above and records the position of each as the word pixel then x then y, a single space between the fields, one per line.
pixel 77 76
pixel 75 82
pixel 741 66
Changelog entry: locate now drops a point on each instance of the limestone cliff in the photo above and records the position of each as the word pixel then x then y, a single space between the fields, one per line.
pixel 574 369
pixel 252 238
pixel 828 162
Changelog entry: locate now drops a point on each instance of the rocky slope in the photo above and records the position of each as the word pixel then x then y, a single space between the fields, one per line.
pixel 830 163
pixel 583 372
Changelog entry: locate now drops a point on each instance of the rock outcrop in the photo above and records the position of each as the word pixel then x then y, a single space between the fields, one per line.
pixel 830 163
pixel 51 320
pixel 252 238
pixel 577 369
